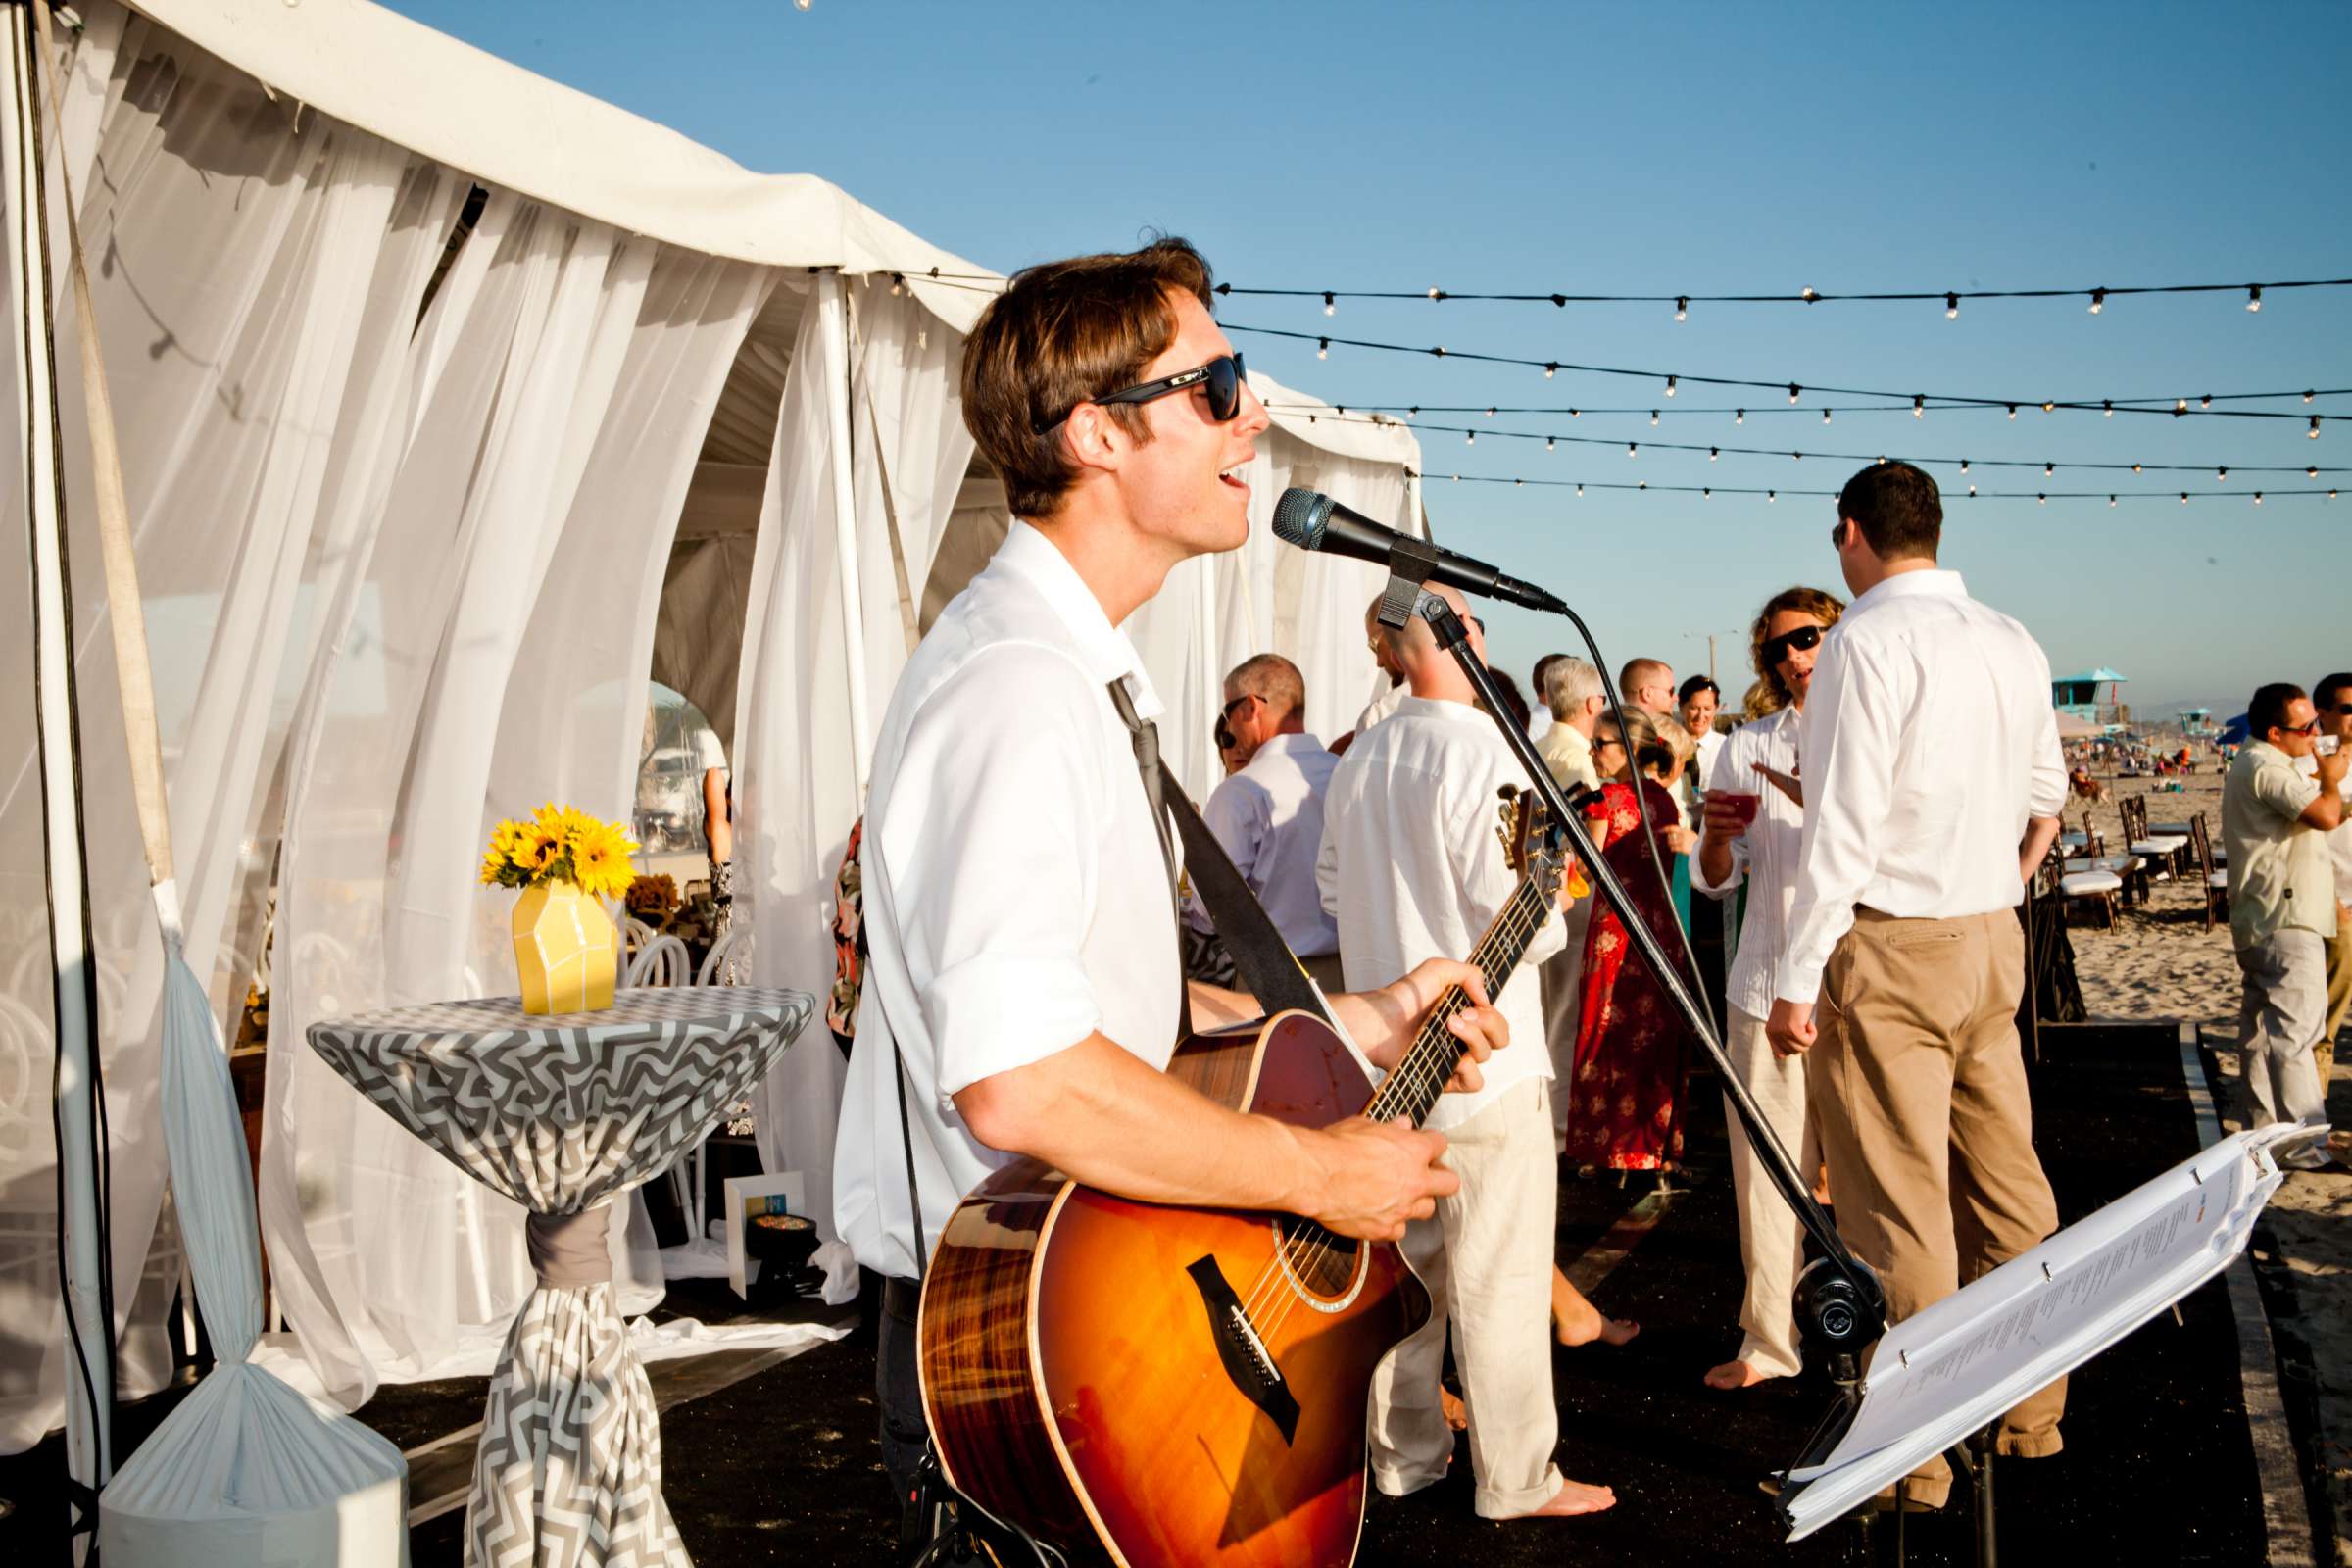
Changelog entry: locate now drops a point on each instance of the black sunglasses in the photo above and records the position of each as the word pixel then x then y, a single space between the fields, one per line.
pixel 1780 648
pixel 2312 728
pixel 1225 737
pixel 1223 377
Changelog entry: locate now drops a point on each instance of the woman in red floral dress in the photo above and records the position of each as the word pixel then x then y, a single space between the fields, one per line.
pixel 1631 1048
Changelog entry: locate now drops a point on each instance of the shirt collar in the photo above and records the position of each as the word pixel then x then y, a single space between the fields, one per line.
pixel 1104 650
pixel 1288 744
pixel 1935 582
pixel 1442 708
pixel 2266 752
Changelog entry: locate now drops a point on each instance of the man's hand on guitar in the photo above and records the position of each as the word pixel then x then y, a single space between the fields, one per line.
pixel 1385 1022
pixel 1374 1176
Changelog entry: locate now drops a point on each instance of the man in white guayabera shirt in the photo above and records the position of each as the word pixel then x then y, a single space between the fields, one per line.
pixel 1753 834
pixel 1411 866
pixel 1268 813
pixel 1933 782
pixel 1018 902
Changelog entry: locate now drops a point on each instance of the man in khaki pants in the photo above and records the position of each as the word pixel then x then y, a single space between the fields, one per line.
pixel 1933 782
pixel 2333 697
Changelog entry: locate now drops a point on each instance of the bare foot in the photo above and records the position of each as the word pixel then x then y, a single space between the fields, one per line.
pixel 1457 1414
pixel 1575 1321
pixel 1735 1375
pixel 1573 1497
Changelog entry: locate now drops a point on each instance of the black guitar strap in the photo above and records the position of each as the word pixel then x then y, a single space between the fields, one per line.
pixel 1262 960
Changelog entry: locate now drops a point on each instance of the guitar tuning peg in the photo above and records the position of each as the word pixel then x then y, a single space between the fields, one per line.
pixel 1509 791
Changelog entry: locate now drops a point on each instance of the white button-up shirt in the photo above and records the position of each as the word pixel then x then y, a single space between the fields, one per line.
pixel 1382 705
pixel 1929 740
pixel 1016 898
pixel 1764 856
pixel 1413 868
pixel 1269 817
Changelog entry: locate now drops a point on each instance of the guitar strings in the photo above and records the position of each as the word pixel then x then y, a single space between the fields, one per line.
pixel 1421 1071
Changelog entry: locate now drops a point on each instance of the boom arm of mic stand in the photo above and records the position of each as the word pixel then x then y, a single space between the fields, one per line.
pixel 1864 1296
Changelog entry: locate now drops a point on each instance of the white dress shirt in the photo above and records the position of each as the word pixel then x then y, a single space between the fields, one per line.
pixel 1413 868
pixel 2339 837
pixel 1928 742
pixel 1382 705
pixel 1016 898
pixel 1710 747
pixel 1764 856
pixel 1539 719
pixel 1269 817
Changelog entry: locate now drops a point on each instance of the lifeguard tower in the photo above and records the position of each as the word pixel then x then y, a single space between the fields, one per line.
pixel 2094 696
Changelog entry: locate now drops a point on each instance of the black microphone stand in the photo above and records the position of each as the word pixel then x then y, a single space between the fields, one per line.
pixel 1841 1308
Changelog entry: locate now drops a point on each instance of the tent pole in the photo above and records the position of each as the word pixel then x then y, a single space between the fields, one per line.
pixel 833 307
pixel 89 1375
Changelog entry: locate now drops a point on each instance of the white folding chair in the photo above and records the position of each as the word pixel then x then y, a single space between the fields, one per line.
pixel 663 961
pixel 714 962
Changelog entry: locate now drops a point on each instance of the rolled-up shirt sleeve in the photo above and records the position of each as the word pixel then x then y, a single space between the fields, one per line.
pixel 1006 815
pixel 2047 796
pixel 1849 747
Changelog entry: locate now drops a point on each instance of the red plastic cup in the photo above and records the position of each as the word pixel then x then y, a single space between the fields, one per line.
pixel 1745 803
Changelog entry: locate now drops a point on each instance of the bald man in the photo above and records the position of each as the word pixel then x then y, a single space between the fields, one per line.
pixel 1268 812
pixel 1647 684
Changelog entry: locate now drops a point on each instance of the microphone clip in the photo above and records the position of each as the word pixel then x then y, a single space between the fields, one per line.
pixel 1412 563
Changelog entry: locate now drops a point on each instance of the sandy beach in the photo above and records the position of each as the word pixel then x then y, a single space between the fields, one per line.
pixel 2161 961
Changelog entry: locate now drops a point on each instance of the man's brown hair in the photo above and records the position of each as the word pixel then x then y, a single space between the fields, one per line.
pixel 1899 508
pixel 1824 608
pixel 1060 333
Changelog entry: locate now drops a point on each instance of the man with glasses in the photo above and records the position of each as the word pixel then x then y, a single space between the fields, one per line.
pixel 1022 981
pixel 2277 823
pixel 1933 782
pixel 1268 813
pixel 1648 684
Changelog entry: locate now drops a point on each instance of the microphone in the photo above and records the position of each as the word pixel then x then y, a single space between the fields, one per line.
pixel 1313 520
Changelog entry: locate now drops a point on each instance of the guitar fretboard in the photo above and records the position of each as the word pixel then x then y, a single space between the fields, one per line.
pixel 1412 1090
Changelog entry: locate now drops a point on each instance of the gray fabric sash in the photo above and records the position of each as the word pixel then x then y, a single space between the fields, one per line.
pixel 569 1250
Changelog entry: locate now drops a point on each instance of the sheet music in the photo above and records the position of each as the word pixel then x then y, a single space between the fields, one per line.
pixel 1952 1368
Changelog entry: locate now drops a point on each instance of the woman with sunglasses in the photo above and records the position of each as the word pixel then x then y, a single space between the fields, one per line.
pixel 1750 840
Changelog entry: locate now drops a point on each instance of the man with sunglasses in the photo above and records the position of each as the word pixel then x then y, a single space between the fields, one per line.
pixel 1022 982
pixel 1932 789
pixel 2277 821
pixel 1268 813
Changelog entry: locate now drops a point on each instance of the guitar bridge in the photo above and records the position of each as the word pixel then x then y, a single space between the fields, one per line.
pixel 1241 1350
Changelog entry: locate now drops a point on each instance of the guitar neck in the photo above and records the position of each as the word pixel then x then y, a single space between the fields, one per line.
pixel 1421 1074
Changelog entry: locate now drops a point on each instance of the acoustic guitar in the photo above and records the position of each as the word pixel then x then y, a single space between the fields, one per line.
pixel 1157 1385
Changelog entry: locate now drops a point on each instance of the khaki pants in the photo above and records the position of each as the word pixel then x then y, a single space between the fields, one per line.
pixel 1919 1088
pixel 1486 1256
pixel 1772 1245
pixel 2339 999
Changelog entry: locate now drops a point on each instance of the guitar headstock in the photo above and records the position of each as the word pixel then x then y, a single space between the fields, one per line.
pixel 1533 844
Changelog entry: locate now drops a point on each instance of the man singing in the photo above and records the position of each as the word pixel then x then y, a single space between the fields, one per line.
pixel 1018 898
pixel 1933 781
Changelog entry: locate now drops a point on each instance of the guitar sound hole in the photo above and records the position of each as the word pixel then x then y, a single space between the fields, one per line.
pixel 1324 1262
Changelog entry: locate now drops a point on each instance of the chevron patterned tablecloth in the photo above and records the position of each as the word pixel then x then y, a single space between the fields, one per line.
pixel 563 1113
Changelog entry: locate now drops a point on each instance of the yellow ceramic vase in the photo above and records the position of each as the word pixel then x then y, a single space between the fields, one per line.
pixel 563 949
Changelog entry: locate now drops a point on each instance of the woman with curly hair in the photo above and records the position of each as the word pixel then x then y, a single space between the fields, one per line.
pixel 1751 834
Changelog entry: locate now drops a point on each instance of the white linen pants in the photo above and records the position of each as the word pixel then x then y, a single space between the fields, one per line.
pixel 1562 977
pixel 1772 1245
pixel 1486 1257
pixel 2279 1015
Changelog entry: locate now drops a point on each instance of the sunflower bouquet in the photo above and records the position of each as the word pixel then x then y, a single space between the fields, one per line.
pixel 560 843
pixel 564 862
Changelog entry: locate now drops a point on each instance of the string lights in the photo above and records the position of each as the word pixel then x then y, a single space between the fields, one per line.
pixel 2039 497
pixel 2097 295
pixel 1316 411
pixel 1795 389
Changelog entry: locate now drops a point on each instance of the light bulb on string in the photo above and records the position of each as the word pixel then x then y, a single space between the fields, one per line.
pixel 2045 500
pixel 2136 468
pixel 1550 371
pixel 1808 296
pixel 1772 495
pixel 2221 474
pixel 2205 401
pixel 1330 305
pixel 1670 381
pixel 2314 431
pixel 1436 294
pixel 2181 405
pixel 1794 390
pixel 2258 498
pixel 1963 464
pixel 1713 454
pixel 1469 438
pixel 2108 406
pixel 1632 449
pixel 1825 415
pixel 1951 306
pixel 2253 295
pixel 2111 501
pixel 1707 495
pixel 1653 419
pixel 1971 489
pixel 2184 498
pixel 1738 415
pixel 1919 405
pixel 1682 306
pixel 2048 469
pixel 1490 411
pixel 2098 300
pixel 2048 406
pixel 1322 348
pixel 2012 411
pixel 1580 489
pixel 1576 413
pixel 1548 443
pixel 2311 474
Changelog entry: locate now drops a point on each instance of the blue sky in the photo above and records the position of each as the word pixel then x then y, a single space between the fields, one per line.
pixel 1658 149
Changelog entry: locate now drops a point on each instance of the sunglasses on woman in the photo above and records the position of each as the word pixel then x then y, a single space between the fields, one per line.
pixel 1222 378
pixel 1787 642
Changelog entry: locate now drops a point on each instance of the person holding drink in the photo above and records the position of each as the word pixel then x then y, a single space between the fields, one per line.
pixel 1752 823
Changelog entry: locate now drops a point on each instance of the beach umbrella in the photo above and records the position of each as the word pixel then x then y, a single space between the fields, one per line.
pixel 244 1469
pixel 2234 732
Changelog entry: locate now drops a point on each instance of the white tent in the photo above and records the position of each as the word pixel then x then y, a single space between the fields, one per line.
pixel 454 402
